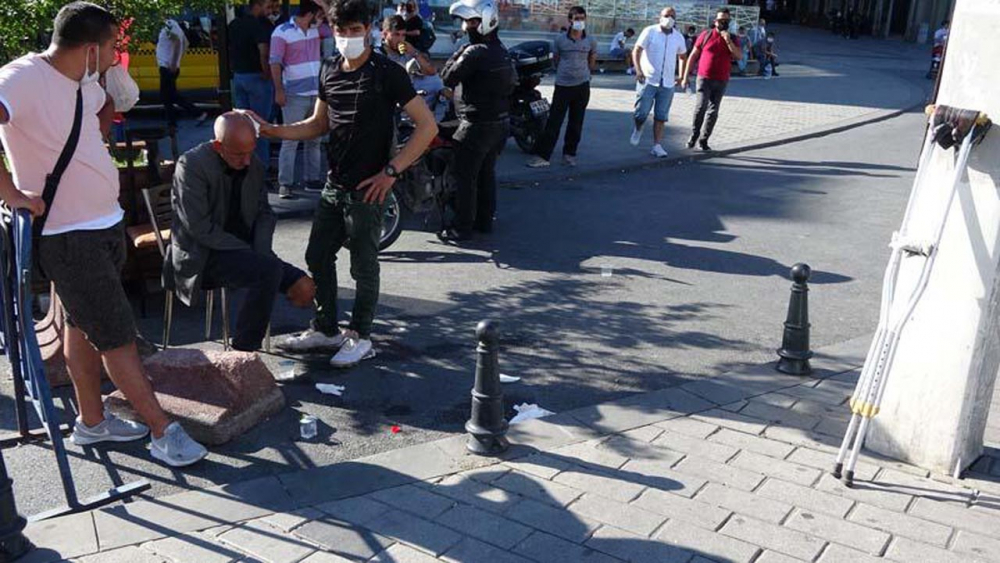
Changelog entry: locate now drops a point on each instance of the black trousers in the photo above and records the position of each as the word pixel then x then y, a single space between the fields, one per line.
pixel 263 276
pixel 708 100
pixel 478 145
pixel 171 97
pixel 565 99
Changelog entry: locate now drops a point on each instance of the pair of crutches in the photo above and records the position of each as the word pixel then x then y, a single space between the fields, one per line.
pixel 867 397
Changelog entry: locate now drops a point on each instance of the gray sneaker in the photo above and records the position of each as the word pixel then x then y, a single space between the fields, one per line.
pixel 176 448
pixel 111 429
pixel 284 192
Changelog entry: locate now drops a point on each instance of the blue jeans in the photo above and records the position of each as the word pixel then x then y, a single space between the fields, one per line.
pixel 299 108
pixel 657 98
pixel 253 92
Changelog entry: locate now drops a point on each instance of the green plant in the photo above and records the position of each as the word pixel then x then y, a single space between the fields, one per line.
pixel 25 25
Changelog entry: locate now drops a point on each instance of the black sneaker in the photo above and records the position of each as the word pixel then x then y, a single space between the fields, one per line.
pixel 704 145
pixel 691 142
pixel 454 236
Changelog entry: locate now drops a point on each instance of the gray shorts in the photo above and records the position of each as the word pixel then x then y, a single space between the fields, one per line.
pixel 85 267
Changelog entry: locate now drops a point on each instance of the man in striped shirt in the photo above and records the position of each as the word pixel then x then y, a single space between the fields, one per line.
pixel 295 63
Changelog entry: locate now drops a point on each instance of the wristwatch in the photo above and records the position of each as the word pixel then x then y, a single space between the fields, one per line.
pixel 391 171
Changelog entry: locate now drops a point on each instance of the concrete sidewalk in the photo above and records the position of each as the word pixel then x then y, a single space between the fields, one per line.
pixel 732 469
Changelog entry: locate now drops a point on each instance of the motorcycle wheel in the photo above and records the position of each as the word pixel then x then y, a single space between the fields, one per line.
pixel 527 138
pixel 392 221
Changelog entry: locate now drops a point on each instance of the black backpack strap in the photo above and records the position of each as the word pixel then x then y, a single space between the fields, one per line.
pixel 52 180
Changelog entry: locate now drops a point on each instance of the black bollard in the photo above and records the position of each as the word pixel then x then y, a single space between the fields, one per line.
pixel 487 427
pixel 795 352
pixel 13 544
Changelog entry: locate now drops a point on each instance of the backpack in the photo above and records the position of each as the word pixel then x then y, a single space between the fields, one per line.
pixel 427 38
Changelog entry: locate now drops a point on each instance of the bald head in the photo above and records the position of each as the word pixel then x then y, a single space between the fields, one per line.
pixel 235 139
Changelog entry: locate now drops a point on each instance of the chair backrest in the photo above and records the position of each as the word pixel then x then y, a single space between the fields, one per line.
pixel 158 205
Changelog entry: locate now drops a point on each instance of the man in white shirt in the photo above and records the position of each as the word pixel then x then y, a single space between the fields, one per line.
pixel 655 58
pixel 170 48
pixel 941 35
pixel 619 50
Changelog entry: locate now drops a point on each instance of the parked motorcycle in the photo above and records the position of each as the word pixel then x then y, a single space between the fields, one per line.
pixel 529 110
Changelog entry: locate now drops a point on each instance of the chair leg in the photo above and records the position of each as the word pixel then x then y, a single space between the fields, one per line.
pixel 168 316
pixel 209 305
pixel 224 299
pixel 267 339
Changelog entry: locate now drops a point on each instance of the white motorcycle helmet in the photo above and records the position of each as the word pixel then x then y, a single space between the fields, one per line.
pixel 485 10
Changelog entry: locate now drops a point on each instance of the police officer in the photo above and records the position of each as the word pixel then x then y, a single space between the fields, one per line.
pixel 483 77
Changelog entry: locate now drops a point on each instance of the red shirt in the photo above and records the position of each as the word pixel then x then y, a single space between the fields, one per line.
pixel 716 60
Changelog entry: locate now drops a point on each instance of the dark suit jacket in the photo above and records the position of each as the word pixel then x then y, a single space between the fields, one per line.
pixel 200 199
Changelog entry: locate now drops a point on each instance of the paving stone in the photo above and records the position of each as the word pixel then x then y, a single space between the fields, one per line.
pixel 645 433
pixel 829 395
pixel 487 474
pixel 832 427
pixel 473 551
pixel 679 508
pixel 734 407
pixel 838 531
pixel 366 475
pixel 344 539
pixel 863 492
pixel 659 476
pixel 266 543
pixel 537 488
pixel 631 547
pixel 688 426
pixel 414 499
pixel 710 544
pixel 743 441
pixel 776 538
pixel 546 548
pixel 66 536
pixel 323 557
pixel 776 399
pixel 977 545
pixel 984 523
pixel 540 465
pixel 640 410
pixel 732 420
pixel 588 454
pixel 719 473
pixel 893 479
pixel 839 554
pixel 414 531
pixel 475 493
pixel 777 468
pixel 357 510
pixel 769 556
pixel 288 521
pixel 566 524
pixel 908 551
pixel 636 450
pixel 191 547
pixel 901 525
pixel 611 485
pixel 630 517
pixel 804 438
pixel 546 434
pixel 742 502
pixel 720 453
pixel 810 407
pixel 129 554
pixel 784 417
pixel 400 553
pixel 485 526
pixel 824 461
pixel 805 497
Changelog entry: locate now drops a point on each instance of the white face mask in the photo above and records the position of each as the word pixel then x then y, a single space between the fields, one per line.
pixel 351 47
pixel 579 25
pixel 92 77
pixel 667 22
pixel 273 17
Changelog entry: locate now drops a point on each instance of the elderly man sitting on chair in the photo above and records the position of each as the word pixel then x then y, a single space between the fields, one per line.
pixel 222 230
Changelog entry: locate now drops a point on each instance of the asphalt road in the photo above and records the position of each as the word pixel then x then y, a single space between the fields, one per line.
pixel 699 256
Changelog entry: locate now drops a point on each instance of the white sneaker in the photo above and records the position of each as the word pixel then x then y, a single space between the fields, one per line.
pixel 176 448
pixel 111 429
pixel 537 162
pixel 310 339
pixel 636 135
pixel 658 151
pixel 352 352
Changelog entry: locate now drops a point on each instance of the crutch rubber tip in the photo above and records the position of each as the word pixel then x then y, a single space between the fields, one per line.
pixel 848 479
pixel 838 470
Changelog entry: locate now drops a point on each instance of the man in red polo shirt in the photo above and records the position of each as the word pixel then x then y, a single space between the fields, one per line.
pixel 716 48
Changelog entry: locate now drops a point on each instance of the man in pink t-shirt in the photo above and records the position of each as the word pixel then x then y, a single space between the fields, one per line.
pixel 717 49
pixel 82 247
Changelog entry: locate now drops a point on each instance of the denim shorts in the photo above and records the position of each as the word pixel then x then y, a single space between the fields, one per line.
pixel 85 267
pixel 656 98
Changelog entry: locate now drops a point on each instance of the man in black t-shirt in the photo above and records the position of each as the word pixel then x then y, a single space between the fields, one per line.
pixel 249 51
pixel 414 23
pixel 359 92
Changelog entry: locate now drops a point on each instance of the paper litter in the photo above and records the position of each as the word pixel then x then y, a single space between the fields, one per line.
pixel 330 389
pixel 528 412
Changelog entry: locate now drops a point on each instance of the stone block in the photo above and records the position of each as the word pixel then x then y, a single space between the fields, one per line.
pixel 896 500
pixel 711 544
pixel 559 522
pixel 823 461
pixel 546 548
pixel 985 523
pixel 474 551
pixel 632 547
pixel 732 420
pixel 612 485
pixel 414 531
pixel 681 508
pixel 719 473
pixel 840 554
pixel 216 396
pixel 976 545
pixel 776 538
pixel 474 493
pixel 67 536
pixel 820 525
pixel 756 444
pixel 774 557
pixel 400 553
pixel 906 550
pixel 901 525
pixel 267 543
pixel 742 502
pixel 659 476
pixel 540 465
pixel 537 488
pixel 714 451
pixel 193 547
pixel 129 554
pixel 630 517
pixel 780 469
pixel 415 500
pixel 687 426
pixel 485 526
pixel 805 497
pixel 344 539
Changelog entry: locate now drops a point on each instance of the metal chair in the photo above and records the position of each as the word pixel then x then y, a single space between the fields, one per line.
pixel 158 204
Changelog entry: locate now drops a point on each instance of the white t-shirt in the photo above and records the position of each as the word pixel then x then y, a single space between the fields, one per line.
pixel 171 45
pixel 618 42
pixel 659 54
pixel 940 36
